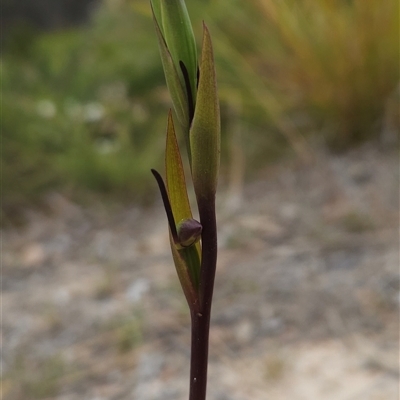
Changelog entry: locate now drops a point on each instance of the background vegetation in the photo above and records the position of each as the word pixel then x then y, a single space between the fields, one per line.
pixel 84 108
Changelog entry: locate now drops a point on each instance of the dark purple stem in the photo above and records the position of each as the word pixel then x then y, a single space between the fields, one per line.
pixel 201 319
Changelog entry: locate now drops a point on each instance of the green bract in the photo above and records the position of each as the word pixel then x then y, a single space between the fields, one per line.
pixel 177 42
pixel 205 129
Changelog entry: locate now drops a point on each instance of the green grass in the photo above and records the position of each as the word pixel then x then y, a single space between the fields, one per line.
pixel 328 67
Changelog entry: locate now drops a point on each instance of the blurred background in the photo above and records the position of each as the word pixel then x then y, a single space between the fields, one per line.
pixel 84 99
pixel 308 202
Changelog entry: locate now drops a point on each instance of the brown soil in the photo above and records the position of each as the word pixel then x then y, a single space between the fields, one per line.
pixel 306 297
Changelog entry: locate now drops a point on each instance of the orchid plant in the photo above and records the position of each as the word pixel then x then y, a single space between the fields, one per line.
pixel 193 90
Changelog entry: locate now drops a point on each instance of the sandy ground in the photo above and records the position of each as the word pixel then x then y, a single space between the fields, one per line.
pixel 306 297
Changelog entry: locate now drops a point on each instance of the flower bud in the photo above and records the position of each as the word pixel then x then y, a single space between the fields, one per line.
pixel 189 232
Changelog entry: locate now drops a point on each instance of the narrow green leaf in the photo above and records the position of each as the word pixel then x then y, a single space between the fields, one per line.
pixel 174 82
pixel 205 129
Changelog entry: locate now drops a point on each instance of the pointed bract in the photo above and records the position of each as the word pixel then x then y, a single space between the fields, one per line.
pixel 205 129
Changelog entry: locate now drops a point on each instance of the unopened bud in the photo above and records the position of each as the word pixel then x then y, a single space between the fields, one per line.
pixel 189 232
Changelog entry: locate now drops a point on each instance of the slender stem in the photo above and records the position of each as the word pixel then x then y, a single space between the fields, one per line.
pixel 199 356
pixel 201 320
pixel 209 252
